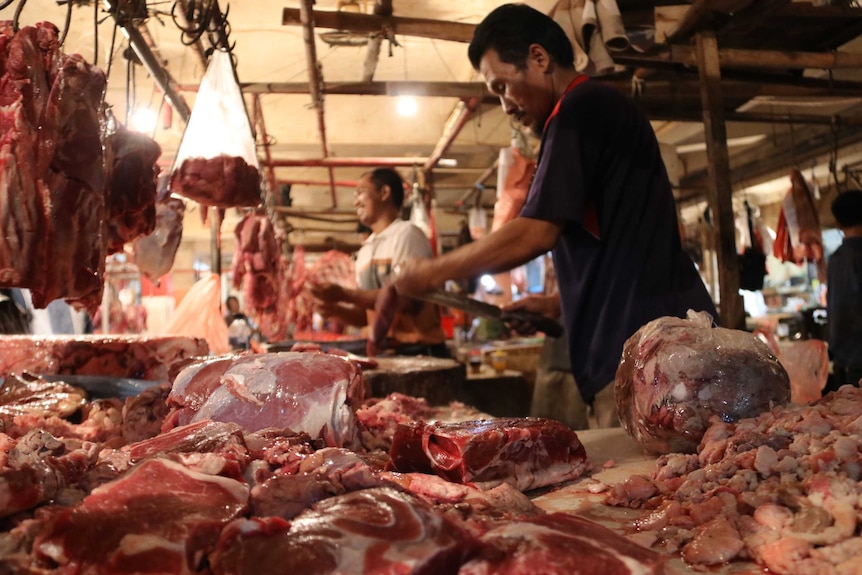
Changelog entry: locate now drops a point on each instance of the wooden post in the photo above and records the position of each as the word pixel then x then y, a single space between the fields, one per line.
pixel 719 190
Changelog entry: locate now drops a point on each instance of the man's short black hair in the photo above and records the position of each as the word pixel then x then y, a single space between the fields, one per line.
pixel 510 29
pixel 388 177
pixel 847 209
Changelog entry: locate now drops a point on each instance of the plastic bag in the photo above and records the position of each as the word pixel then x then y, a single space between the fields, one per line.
pixel 216 163
pixel 199 315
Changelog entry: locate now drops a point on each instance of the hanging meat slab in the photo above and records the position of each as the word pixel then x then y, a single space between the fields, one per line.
pixel 154 253
pixel 222 181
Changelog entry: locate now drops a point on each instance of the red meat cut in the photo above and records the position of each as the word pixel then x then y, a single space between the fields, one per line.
pixel 526 453
pixel 159 518
pixel 313 393
pixel 222 181
pixel 560 544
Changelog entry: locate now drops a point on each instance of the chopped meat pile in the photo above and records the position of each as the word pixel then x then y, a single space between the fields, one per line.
pixel 675 374
pixel 782 489
pixel 222 181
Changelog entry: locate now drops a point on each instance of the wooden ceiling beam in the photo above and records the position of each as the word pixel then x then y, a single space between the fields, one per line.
pixel 738 58
pixel 372 23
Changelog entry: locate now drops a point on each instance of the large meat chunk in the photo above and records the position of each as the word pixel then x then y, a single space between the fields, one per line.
pixel 313 393
pixel 677 373
pixel 377 530
pixel 143 357
pixel 131 187
pixel 526 453
pixel 222 181
pixel 158 518
pixel 560 544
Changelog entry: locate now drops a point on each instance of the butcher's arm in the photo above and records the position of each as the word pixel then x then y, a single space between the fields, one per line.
pixel 515 243
pixel 349 314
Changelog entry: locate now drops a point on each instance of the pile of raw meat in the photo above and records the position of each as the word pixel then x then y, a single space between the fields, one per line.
pixel 70 193
pixel 223 181
pixel 782 489
pixel 220 491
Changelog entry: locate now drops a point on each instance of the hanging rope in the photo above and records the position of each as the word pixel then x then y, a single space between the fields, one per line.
pixel 833 154
pixel 5 3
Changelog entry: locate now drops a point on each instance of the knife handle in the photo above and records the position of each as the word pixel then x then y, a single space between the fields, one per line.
pixel 541 322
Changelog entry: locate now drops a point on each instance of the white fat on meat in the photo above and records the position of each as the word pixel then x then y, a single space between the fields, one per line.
pixel 306 392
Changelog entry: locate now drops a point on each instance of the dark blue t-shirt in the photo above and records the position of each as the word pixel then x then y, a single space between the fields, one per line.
pixel 619 259
pixel 844 303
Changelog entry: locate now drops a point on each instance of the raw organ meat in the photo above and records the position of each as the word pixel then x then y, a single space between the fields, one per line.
pixel 142 357
pixel 675 374
pixel 314 393
pixel 526 453
pixel 560 544
pixel 155 253
pixel 131 187
pixel 158 518
pixel 377 530
pixel 222 181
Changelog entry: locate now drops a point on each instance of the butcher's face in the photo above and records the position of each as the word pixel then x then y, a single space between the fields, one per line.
pixel 527 95
pixel 368 201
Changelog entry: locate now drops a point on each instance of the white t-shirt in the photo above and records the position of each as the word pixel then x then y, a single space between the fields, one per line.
pixel 400 241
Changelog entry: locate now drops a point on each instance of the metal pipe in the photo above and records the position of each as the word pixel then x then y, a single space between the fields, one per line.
pixel 161 76
pixel 457 120
pixel 338 162
pixel 338 183
pixel 315 80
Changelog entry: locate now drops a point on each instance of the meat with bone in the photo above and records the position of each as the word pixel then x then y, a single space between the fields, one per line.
pixel 377 530
pixel 131 187
pixel 526 453
pixel 222 181
pixel 155 253
pixel 560 544
pixel 158 518
pixel 313 393
pixel 675 374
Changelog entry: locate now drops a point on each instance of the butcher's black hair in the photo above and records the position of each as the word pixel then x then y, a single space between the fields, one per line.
pixel 388 177
pixel 847 208
pixel 510 29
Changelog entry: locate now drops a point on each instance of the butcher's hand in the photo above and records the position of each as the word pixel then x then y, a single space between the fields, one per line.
pixel 546 305
pixel 328 292
pixel 415 277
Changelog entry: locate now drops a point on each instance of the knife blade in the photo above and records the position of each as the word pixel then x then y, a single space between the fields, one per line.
pixel 104 386
pixel 483 309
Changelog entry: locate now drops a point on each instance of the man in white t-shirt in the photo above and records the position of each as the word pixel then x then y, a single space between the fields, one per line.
pixel 416 329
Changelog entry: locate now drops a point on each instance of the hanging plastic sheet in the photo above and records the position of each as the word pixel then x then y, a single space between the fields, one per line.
pixel 216 163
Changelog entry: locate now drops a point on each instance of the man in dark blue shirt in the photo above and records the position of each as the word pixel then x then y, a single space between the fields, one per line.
pixel 844 293
pixel 601 199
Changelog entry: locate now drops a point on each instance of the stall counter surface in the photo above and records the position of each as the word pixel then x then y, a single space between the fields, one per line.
pixel 616 457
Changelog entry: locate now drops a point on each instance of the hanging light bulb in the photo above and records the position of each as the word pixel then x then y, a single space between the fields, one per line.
pixel 143 120
pixel 407 106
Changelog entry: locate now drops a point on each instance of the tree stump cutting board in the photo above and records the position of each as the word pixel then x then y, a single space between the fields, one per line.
pixel 438 380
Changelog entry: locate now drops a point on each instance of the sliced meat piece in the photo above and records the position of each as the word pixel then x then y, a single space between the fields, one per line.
pixel 28 394
pixel 676 374
pixel 158 518
pixel 307 392
pixel 526 453
pixel 560 544
pixel 376 530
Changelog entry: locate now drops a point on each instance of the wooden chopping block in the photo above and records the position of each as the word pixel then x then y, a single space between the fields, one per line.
pixel 438 380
